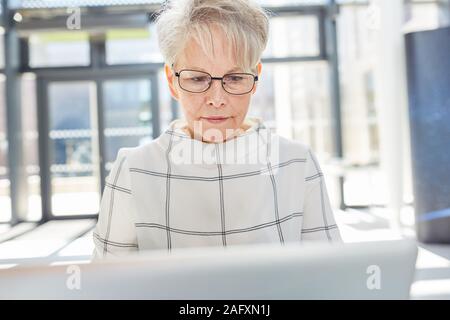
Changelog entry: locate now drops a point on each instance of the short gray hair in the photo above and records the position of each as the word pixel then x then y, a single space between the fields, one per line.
pixel 244 22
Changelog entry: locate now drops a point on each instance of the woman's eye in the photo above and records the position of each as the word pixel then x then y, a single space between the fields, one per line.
pixel 236 78
pixel 198 79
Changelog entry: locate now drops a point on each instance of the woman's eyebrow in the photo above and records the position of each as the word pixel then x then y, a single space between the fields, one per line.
pixel 234 69
pixel 201 69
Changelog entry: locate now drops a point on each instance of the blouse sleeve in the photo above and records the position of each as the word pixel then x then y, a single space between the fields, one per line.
pixel 318 219
pixel 114 234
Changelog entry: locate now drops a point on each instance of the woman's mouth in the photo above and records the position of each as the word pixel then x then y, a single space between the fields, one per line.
pixel 215 119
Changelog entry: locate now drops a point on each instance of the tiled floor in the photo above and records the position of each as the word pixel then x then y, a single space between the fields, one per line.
pixel 70 241
pixel 52 242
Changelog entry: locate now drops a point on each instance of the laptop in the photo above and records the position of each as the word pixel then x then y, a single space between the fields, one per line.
pixel 370 270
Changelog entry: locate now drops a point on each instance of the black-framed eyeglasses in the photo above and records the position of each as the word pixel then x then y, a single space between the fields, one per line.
pixel 199 81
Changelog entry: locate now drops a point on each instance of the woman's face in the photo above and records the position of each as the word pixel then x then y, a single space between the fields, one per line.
pixel 200 109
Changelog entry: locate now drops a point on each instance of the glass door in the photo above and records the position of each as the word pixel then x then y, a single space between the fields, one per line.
pixel 75 157
pixel 74 152
pixel 127 115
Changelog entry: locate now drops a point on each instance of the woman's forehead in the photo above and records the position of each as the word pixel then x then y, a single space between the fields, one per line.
pixel 195 57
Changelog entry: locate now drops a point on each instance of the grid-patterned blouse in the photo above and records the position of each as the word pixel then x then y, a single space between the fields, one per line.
pixel 177 192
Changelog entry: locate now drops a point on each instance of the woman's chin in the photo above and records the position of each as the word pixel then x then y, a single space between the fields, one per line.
pixel 216 132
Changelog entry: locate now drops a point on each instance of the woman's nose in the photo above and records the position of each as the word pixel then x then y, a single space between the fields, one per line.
pixel 216 94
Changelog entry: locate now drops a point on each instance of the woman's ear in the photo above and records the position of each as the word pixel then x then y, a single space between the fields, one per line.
pixel 258 69
pixel 171 81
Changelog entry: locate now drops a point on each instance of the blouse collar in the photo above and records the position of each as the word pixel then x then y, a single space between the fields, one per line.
pixel 246 147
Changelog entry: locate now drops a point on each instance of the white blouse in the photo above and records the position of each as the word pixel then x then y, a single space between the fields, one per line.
pixel 178 192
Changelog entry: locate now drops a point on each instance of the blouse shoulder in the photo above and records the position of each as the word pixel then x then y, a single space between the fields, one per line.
pixel 293 148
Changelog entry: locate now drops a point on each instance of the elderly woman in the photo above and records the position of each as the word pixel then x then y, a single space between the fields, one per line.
pixel 216 177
